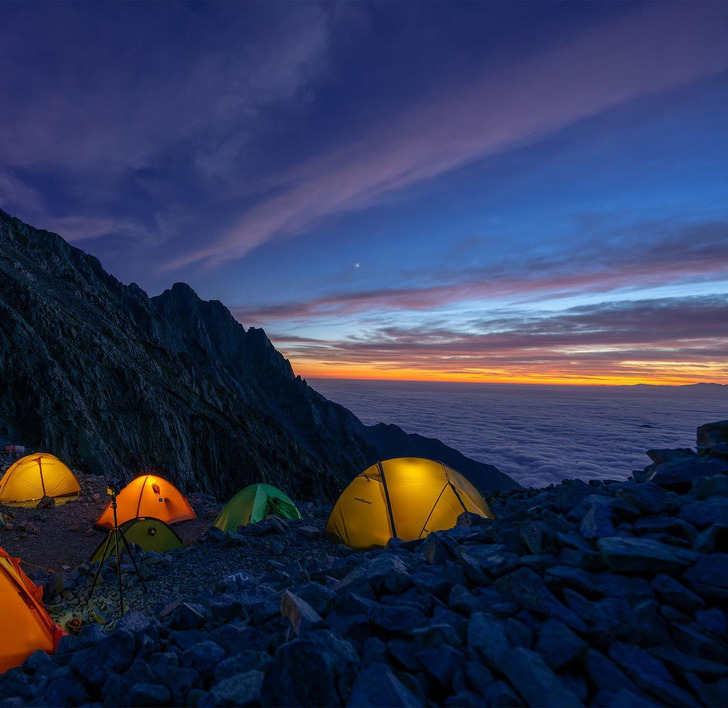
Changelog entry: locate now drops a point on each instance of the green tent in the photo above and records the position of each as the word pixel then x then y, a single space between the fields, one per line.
pixel 253 504
pixel 151 534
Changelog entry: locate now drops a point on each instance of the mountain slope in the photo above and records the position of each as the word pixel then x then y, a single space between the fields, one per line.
pixel 110 379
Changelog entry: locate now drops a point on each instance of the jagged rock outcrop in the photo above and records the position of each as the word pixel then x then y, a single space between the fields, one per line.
pixel 110 379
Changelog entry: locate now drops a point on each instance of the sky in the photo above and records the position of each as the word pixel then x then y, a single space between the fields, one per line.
pixel 480 191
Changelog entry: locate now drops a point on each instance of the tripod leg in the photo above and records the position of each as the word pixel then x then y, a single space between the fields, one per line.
pixel 101 562
pixel 131 555
pixel 118 570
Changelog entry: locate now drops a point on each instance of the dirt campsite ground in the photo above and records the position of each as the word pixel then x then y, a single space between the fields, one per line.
pixel 53 542
pixel 63 536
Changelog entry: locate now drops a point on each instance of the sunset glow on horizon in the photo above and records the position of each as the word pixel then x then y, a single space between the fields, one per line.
pixel 530 192
pixel 628 373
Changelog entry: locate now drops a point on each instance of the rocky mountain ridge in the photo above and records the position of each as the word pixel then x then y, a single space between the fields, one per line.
pixel 110 379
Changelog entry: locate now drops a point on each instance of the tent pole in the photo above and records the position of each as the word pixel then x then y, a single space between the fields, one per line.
pixel 40 469
pixel 386 496
pixel 439 496
pixel 465 508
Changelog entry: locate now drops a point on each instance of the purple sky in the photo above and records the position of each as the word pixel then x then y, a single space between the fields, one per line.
pixel 501 191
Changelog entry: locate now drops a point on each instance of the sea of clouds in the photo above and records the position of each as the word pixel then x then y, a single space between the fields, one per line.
pixel 539 435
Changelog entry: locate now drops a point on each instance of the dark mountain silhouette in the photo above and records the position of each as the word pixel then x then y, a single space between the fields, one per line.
pixel 112 380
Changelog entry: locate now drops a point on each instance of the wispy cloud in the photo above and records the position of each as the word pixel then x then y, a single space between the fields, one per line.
pixel 625 338
pixel 655 48
pixel 16 195
pixel 643 256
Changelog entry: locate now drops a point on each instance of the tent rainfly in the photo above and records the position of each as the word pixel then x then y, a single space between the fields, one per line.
pixel 253 504
pixel 36 476
pixel 148 495
pixel 406 497
pixel 25 626
pixel 150 534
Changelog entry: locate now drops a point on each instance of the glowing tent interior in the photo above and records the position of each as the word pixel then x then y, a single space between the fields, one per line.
pixel 406 497
pixel 36 476
pixel 148 495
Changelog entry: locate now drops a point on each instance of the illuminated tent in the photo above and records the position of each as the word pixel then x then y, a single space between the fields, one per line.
pixel 407 497
pixel 36 476
pixel 253 504
pixel 148 495
pixel 25 626
pixel 150 534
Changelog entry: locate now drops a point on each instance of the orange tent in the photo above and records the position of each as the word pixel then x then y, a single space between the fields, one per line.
pixel 36 476
pixel 148 495
pixel 25 626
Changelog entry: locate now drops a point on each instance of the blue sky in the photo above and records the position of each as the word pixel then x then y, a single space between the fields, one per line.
pixel 481 191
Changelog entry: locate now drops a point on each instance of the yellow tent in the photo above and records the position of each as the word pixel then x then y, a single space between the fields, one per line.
pixel 35 476
pixel 407 497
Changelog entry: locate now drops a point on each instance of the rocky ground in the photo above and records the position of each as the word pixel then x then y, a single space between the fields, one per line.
pixel 603 594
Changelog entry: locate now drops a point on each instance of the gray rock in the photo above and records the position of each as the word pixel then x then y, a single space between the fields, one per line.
pixel 677 594
pixel 500 693
pixel 709 576
pixel 242 689
pixel 308 531
pixel 596 585
pixel 435 635
pixel 715 486
pixel 188 615
pixel 650 498
pixel 693 639
pixel 203 657
pixel 149 694
pixel 388 573
pixel 374 651
pixel 315 669
pixel 318 596
pixel 113 654
pixel 488 635
pixel 463 601
pixel 180 681
pixel 643 556
pixel 534 680
pixel 66 691
pixel 528 589
pixel 405 653
pixel 396 618
pixel 714 620
pixel 299 613
pixel 558 645
pixel 478 676
pixel 441 663
pixel 712 438
pixel 242 663
pixel 377 685
pixel 682 662
pixel 714 539
pixel 705 512
pixel 649 673
pixel 605 674
pixel 518 633
pixel 596 517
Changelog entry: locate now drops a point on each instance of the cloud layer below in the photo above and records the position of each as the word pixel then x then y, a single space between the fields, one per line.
pixel 538 435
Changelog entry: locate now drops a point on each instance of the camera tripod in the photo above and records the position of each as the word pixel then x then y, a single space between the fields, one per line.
pixel 116 533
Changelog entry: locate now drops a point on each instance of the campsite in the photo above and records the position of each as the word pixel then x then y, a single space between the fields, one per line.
pixel 608 593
